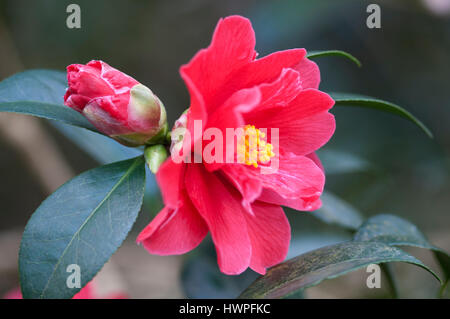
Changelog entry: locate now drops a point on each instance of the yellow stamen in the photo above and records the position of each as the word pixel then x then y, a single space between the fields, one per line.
pixel 252 149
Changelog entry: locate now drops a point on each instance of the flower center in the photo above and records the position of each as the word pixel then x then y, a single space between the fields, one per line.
pixel 252 148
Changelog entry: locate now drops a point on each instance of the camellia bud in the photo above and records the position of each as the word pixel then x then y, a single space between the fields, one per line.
pixel 116 104
pixel 155 155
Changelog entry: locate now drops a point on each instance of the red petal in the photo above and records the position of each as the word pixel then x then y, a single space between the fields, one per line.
pixel 232 47
pixel 197 109
pixel 117 80
pixel 304 125
pixel 264 70
pixel 86 81
pixel 174 231
pixel 219 205
pixel 281 91
pixel 230 116
pixel 170 181
pixel 297 177
pixel 270 235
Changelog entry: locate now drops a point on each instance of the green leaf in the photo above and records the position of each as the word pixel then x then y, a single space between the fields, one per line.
pixel 345 99
pixel 336 211
pixel 40 93
pixel 316 54
pixel 83 223
pixel 395 231
pixel 328 262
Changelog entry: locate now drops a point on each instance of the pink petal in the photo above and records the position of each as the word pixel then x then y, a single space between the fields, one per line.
pixel 174 231
pixel 316 159
pixel 270 235
pixel 103 114
pixel 309 73
pixel 87 292
pixel 219 205
pixel 301 204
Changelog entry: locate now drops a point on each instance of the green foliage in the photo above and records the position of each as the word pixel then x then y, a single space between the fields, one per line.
pixel 87 219
pixel 373 243
pixel 316 54
pixel 82 223
pixel 310 269
pixel 346 99
pixel 396 231
pixel 40 93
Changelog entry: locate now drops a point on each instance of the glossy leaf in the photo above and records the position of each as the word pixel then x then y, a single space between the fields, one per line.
pixel 328 262
pixel 105 150
pixel 396 231
pixel 40 93
pixel 336 211
pixel 344 99
pixel 82 223
pixel 316 54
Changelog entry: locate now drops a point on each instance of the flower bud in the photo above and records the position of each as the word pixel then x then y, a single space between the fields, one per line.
pixel 116 104
pixel 155 155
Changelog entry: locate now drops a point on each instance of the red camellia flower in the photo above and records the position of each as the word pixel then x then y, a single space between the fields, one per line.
pixel 235 202
pixel 115 103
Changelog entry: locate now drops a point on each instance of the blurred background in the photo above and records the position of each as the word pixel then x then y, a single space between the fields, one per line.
pixel 376 162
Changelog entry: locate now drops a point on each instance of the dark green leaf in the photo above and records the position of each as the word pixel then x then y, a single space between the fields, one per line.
pixel 103 149
pixel 336 211
pixel 45 86
pixel 48 111
pixel 396 231
pixel 317 54
pixel 344 99
pixel 82 223
pixel 39 93
pixel 328 262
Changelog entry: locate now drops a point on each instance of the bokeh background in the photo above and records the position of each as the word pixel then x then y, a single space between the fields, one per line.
pixel 376 162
